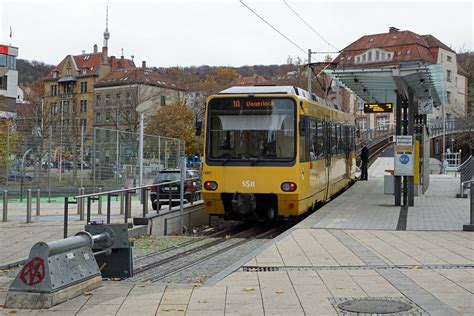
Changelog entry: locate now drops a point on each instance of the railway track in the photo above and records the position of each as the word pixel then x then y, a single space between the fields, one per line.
pixel 161 265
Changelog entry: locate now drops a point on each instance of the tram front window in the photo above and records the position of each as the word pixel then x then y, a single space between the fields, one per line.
pixel 251 130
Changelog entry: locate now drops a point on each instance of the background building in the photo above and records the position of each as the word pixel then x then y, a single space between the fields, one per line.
pixel 405 48
pixel 8 79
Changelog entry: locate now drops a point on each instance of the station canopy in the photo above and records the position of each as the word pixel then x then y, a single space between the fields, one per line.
pixel 379 84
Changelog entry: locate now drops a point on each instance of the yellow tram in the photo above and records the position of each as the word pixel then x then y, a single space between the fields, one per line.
pixel 273 152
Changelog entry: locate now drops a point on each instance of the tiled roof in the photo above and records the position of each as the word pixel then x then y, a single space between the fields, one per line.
pixel 88 64
pixel 434 42
pixel 136 76
pixel 406 46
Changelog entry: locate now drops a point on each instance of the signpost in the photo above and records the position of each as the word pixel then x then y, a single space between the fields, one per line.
pixel 404 156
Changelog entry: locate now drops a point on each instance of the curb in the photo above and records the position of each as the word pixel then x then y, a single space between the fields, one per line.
pixel 13 263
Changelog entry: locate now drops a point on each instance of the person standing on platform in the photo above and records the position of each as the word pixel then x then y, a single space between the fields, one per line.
pixel 364 157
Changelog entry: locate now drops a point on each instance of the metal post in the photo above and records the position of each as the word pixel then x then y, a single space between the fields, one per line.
pixel 99 205
pixel 82 155
pixel 109 197
pixel 127 197
pixel 66 205
pixel 8 154
pixel 309 71
pixel 5 205
pixel 80 207
pixel 61 143
pixel 159 151
pixel 140 150
pixel 181 194
pixel 129 206
pixel 398 131
pixel 38 197
pixel 411 131
pixel 165 232
pixel 169 196
pixel 122 202
pixel 145 201
pixel 49 162
pixel 94 158
pixel 117 146
pixel 88 209
pixel 28 206
pixel 79 201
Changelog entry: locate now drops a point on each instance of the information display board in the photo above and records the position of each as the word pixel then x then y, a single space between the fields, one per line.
pixel 378 107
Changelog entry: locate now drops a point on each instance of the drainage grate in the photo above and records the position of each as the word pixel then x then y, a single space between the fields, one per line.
pixel 364 267
pixel 260 269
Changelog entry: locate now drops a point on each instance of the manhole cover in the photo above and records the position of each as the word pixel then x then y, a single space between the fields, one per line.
pixel 374 306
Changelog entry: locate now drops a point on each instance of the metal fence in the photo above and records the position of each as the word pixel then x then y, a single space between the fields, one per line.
pixel 116 157
pixel 451 126
pixel 59 163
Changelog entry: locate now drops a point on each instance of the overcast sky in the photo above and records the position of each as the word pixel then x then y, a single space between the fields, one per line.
pixel 223 33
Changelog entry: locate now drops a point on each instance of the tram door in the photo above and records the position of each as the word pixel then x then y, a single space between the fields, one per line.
pixel 327 153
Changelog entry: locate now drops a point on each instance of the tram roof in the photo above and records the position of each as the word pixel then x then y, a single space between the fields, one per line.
pixel 379 84
pixel 260 89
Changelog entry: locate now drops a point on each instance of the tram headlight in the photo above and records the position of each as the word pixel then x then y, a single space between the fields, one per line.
pixel 288 186
pixel 210 185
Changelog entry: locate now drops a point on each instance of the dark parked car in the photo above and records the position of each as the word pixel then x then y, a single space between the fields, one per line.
pixel 192 184
pixel 16 175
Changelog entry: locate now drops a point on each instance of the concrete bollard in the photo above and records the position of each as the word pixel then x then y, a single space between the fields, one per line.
pixel 28 206
pixel 5 205
pixel 38 205
pixel 99 206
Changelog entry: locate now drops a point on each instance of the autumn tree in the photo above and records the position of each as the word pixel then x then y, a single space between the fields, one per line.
pixel 220 79
pixel 175 121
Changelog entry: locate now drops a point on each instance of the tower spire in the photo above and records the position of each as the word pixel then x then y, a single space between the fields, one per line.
pixel 106 33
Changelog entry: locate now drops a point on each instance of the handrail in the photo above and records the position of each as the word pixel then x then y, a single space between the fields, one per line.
pixel 132 189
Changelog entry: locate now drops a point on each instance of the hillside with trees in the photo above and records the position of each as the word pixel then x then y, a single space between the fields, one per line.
pixel 31 71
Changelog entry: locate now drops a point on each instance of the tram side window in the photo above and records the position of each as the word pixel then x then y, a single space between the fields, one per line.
pixel 340 137
pixel 333 139
pixel 312 139
pixel 345 139
pixel 320 153
pixel 304 139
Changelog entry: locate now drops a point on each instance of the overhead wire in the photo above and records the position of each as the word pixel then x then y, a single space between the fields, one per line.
pixel 274 28
pixel 310 27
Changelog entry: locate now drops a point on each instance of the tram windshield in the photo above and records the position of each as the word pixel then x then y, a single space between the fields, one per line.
pixel 251 129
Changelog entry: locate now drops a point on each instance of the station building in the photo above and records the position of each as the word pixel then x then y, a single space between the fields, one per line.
pixel 396 49
pixel 8 80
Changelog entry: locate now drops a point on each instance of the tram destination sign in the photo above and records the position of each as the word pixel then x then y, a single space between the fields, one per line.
pixel 378 107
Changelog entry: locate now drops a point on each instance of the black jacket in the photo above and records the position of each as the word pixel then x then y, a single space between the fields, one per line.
pixel 364 154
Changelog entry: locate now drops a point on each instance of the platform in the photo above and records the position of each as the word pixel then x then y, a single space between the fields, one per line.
pixel 357 246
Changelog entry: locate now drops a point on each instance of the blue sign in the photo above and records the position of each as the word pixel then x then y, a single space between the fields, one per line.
pixel 404 159
pixel 369 130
